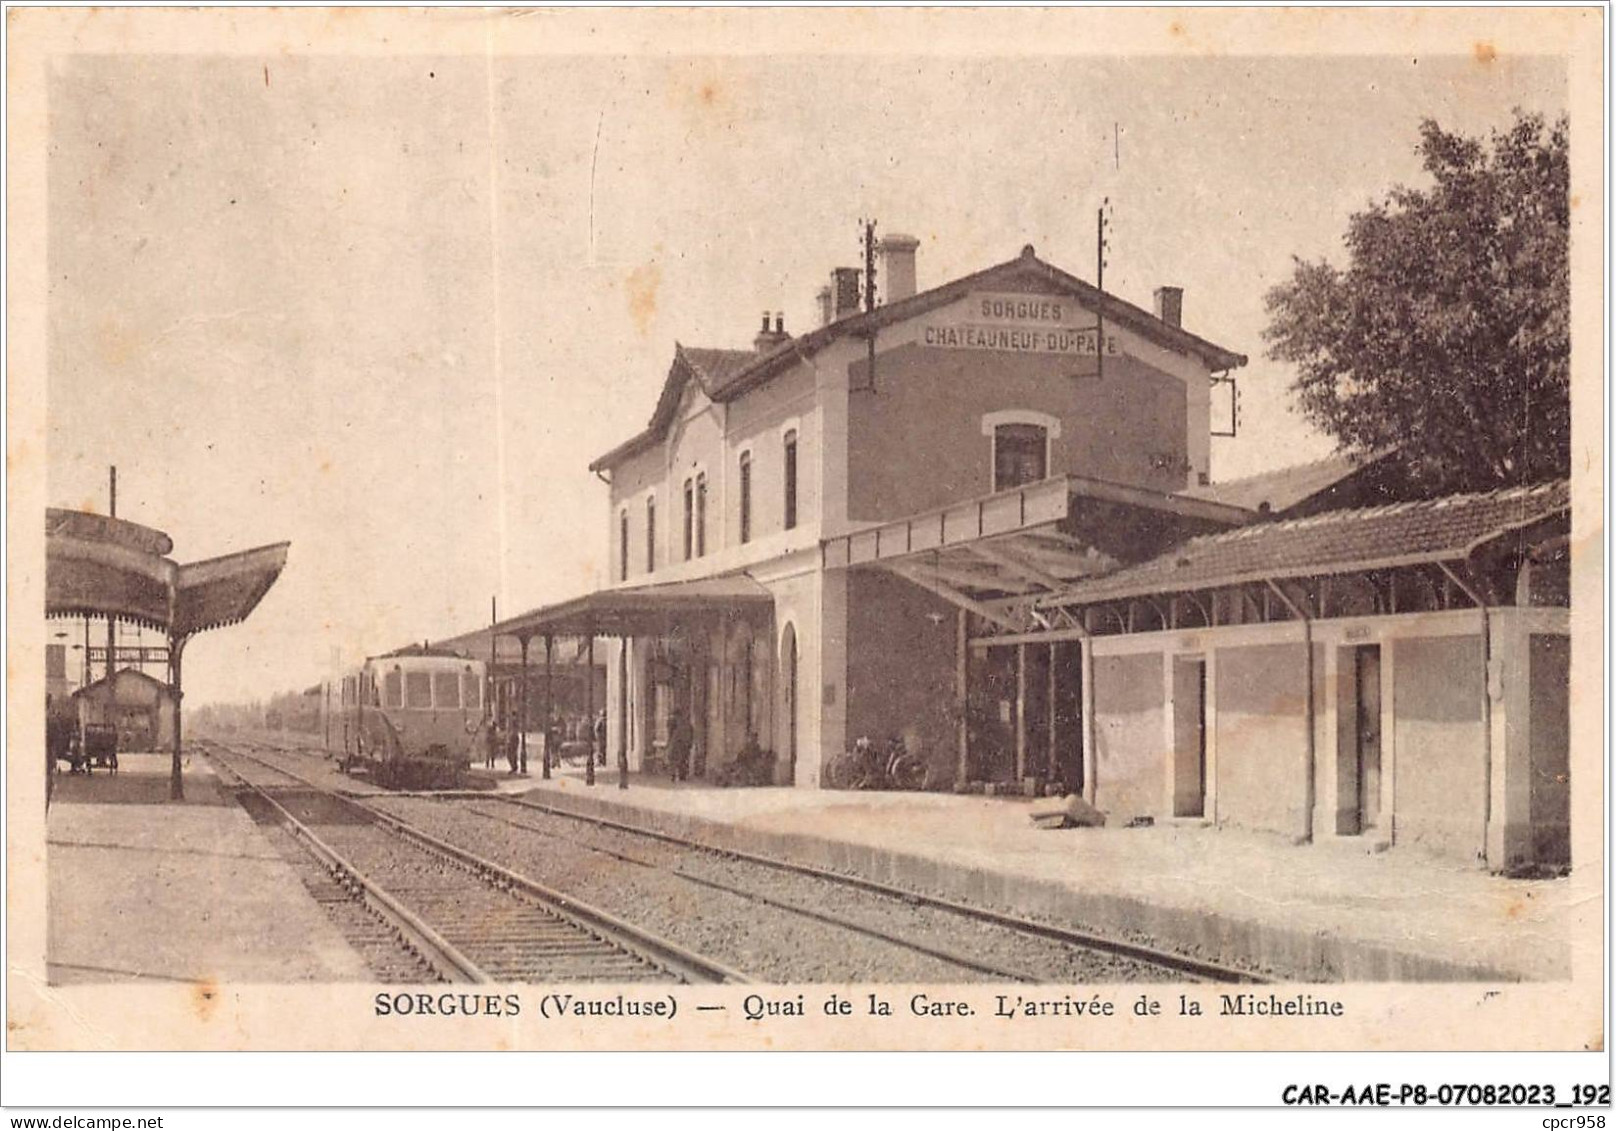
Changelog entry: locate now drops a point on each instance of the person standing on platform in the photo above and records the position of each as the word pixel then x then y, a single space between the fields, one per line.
pixel 597 749
pixel 680 739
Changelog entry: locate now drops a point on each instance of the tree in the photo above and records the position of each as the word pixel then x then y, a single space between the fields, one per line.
pixel 1447 335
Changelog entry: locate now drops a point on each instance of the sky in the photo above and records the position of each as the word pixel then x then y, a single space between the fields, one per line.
pixel 389 309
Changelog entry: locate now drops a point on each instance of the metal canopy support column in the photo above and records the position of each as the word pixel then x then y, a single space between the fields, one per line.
pixel 176 651
pixel 522 740
pixel 1090 756
pixel 622 712
pixel 589 712
pixel 962 697
pixel 1021 712
pixel 549 703
pixel 1050 760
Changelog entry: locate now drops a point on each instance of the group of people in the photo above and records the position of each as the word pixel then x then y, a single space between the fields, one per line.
pixel 504 739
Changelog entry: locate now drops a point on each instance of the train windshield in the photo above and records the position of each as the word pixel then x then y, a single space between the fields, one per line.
pixel 418 689
pixel 393 688
pixel 445 689
pixel 471 690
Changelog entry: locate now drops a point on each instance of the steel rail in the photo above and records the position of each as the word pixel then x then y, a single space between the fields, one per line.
pixel 1196 967
pixel 444 957
pixel 952 957
pixel 657 951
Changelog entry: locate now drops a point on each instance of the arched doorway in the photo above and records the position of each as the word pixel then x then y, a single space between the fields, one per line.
pixel 788 687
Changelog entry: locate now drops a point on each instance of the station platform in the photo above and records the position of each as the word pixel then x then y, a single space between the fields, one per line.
pixel 1329 911
pixel 142 888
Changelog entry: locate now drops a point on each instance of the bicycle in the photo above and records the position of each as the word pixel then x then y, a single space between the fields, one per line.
pixel 863 767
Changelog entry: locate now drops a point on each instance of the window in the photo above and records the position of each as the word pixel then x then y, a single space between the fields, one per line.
pixel 471 689
pixel 746 497
pixel 393 688
pixel 418 690
pixel 1020 455
pixel 622 546
pixel 791 479
pixel 650 534
pixel 701 514
pixel 689 512
pixel 446 690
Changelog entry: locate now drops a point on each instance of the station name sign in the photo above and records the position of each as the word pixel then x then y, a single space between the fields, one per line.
pixel 1020 323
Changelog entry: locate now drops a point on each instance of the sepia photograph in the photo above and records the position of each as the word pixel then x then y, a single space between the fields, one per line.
pixel 992 529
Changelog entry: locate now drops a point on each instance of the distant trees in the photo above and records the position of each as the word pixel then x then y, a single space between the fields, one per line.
pixel 1447 334
pixel 290 710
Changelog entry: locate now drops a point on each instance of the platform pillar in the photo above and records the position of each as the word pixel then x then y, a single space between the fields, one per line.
pixel 176 651
pixel 589 711
pixel 549 704
pixel 622 712
pixel 962 696
pixel 1021 712
pixel 522 707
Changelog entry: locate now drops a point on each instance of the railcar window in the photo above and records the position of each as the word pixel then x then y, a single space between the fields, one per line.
pixel 445 689
pixel 393 688
pixel 471 690
pixel 417 689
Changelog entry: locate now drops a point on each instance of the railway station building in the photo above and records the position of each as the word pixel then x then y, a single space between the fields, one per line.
pixel 979 518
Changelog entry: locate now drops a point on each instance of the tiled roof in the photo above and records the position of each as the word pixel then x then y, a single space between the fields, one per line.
pixel 726 374
pixel 711 369
pixel 1333 542
pixel 717 368
pixel 1285 487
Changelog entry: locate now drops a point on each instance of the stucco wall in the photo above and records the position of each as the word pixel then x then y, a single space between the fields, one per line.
pixel 900 664
pixel 1261 709
pixel 1551 749
pixel 1130 740
pixel 757 423
pixel 916 442
pixel 1439 684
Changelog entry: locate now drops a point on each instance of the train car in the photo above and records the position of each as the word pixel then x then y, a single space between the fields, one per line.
pixel 411 720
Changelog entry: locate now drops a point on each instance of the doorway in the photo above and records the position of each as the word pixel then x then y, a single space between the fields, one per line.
pixel 1189 736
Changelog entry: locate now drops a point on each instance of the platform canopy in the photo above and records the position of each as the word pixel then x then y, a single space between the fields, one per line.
pixel 993 555
pixel 1442 531
pixel 101 566
pixel 641 610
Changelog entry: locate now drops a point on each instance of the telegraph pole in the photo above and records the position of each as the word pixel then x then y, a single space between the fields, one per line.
pixel 1100 248
pixel 870 293
pixel 112 621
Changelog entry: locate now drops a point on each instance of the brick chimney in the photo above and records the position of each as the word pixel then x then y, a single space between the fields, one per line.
pixel 1170 305
pixel 844 285
pixel 768 339
pixel 826 309
pixel 898 266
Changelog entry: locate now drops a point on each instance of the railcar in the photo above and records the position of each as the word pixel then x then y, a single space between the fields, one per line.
pixel 411 721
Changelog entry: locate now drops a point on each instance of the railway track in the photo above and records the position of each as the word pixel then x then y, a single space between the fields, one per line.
pixel 469 919
pixel 976 942
pixel 1189 966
